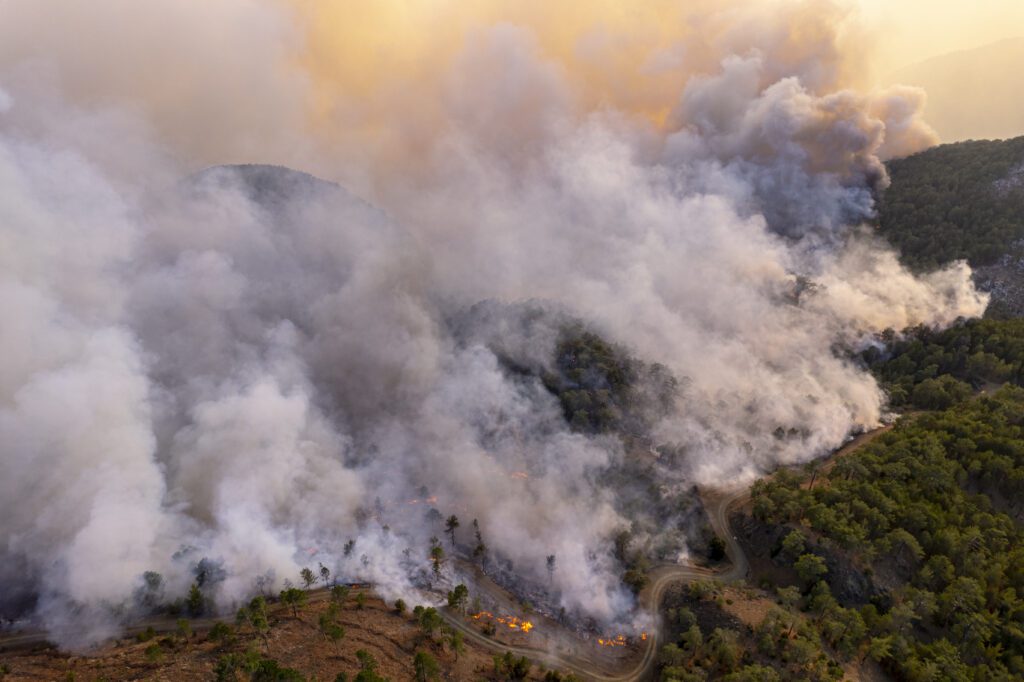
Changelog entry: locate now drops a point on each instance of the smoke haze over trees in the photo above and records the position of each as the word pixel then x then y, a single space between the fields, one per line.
pixel 255 367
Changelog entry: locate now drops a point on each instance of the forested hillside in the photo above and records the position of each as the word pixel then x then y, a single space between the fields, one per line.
pixel 931 514
pixel 962 200
pixel 905 558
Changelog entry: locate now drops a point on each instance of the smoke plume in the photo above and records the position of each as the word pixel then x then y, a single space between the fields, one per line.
pixel 224 375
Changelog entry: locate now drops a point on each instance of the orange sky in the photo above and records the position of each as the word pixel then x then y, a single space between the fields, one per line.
pixel 637 55
pixel 909 31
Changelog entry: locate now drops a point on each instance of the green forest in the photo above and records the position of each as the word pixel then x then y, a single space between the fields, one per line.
pixel 962 200
pixel 928 369
pixel 931 512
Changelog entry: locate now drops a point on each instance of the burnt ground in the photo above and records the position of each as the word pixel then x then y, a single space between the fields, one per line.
pixel 1004 280
pixel 708 612
pixel 742 607
pixel 851 584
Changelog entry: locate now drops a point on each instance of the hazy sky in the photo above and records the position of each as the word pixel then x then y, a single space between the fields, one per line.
pixel 972 93
pixel 909 31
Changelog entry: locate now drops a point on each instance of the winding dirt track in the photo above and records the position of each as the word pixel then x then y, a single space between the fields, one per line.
pixel 662 577
pixel 719 505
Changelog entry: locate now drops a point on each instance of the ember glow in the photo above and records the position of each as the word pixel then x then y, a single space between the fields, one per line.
pixel 620 640
pixel 511 622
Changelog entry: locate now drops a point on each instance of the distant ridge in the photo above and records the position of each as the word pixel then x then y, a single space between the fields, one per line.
pixel 972 94
pixel 266 184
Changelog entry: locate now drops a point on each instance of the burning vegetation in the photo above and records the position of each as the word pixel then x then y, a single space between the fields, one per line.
pixel 510 622
pixel 621 640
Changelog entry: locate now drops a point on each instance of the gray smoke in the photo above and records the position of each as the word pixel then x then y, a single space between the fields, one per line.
pixel 251 366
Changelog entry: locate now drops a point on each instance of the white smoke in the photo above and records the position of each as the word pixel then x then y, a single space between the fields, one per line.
pixel 254 367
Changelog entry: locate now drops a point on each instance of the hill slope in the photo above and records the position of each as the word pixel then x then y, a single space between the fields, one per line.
pixel 962 200
pixel 376 644
pixel 929 515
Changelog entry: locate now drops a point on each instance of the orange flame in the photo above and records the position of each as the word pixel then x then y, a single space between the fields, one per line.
pixel 618 640
pixel 428 500
pixel 512 622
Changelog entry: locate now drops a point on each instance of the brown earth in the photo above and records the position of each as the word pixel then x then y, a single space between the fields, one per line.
pixel 746 605
pixel 391 638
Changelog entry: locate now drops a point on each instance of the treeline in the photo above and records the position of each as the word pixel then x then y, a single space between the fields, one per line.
pixel 962 200
pixel 931 370
pixel 933 508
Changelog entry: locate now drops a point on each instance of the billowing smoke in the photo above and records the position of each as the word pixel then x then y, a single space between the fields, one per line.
pixel 228 374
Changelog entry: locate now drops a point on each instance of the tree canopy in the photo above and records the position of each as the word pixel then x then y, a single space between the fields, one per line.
pixel 962 200
pixel 935 505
